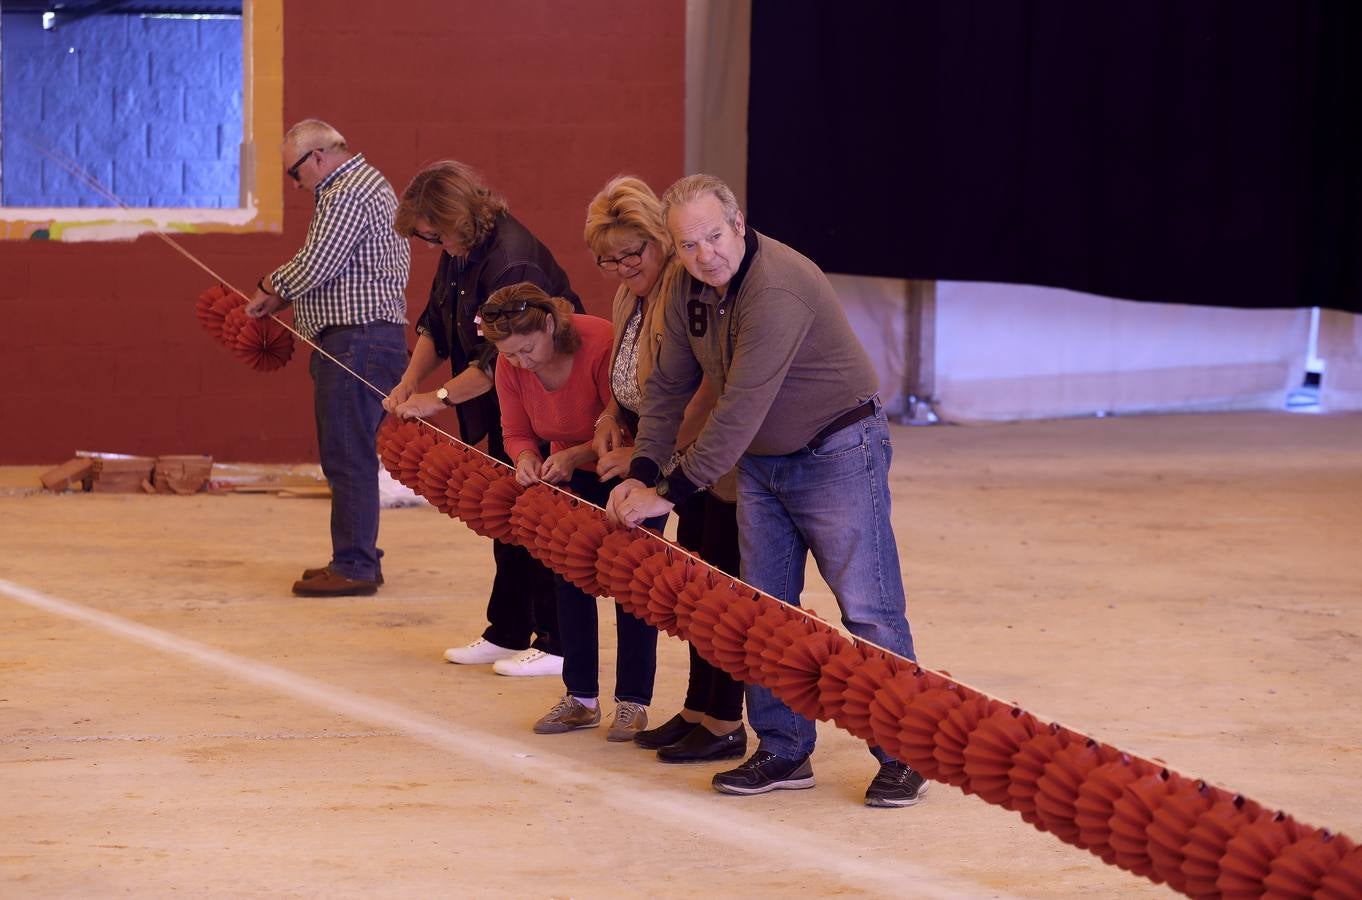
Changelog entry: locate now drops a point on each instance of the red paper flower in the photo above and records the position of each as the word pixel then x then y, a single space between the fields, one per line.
pixel 703 579
pixel 890 704
pixel 1057 788
pixel 1206 842
pixel 1133 813
pixel 1344 880
pixel 476 477
pixel 704 621
pixel 234 320
pixel 497 502
pixel 954 734
pixel 761 637
pixel 861 688
pixel 1097 795
pixel 263 344
pixel 409 466
pixel 1028 764
pixel 645 577
pixel 921 721
pixel 730 636
pixel 797 675
pixel 1170 827
pixel 1300 869
pixel 987 755
pixel 582 553
pixel 437 467
pixel 1249 855
pixel 832 680
pixel 665 592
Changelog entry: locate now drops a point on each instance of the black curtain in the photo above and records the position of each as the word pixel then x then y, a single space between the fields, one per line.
pixel 1178 151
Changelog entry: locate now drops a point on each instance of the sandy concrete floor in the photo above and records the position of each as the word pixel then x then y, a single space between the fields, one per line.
pixel 172 720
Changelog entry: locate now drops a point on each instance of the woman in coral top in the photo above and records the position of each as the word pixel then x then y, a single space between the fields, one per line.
pixel 553 383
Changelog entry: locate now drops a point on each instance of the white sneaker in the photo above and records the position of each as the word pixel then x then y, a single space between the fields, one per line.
pixel 529 662
pixel 479 653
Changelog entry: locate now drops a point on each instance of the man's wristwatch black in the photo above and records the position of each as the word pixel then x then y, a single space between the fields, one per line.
pixel 443 396
pixel 663 489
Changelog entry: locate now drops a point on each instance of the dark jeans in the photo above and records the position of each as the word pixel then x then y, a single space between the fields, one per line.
pixel 523 609
pixel 708 526
pixel 636 640
pixel 348 413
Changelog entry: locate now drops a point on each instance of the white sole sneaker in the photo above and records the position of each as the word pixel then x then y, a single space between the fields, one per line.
pixel 479 653
pixel 528 663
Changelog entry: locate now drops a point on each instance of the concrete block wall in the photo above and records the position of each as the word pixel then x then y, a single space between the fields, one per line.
pixel 150 107
pixel 101 349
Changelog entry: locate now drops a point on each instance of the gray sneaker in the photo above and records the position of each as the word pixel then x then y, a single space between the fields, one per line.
pixel 628 720
pixel 568 715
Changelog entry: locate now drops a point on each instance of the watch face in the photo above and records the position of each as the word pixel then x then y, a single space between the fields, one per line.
pixel 663 488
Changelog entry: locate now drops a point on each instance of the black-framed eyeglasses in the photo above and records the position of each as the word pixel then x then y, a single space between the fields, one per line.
pixel 513 309
pixel 293 169
pixel 630 259
pixel 430 237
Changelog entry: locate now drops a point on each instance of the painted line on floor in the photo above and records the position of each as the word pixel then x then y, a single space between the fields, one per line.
pixel 791 846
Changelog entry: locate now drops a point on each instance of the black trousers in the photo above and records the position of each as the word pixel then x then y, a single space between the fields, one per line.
pixel 523 609
pixel 708 526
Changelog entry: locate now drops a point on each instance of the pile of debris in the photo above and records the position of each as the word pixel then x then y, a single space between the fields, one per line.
pixel 119 473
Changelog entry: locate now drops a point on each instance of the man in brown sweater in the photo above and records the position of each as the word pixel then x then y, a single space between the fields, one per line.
pixel 799 415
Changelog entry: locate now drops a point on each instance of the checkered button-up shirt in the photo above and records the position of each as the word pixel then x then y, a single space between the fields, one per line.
pixel 353 267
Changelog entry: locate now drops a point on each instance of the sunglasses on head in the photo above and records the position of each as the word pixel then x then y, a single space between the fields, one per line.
pixel 513 309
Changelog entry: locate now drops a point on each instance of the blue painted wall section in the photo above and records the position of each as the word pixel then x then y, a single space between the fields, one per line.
pixel 149 107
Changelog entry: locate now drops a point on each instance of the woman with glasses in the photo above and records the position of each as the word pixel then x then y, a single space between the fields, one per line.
pixel 553 381
pixel 483 248
pixel 624 228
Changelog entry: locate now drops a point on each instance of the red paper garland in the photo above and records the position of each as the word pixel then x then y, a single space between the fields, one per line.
pixel 1151 821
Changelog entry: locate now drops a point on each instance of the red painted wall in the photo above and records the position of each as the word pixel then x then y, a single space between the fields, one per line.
pixel 99 346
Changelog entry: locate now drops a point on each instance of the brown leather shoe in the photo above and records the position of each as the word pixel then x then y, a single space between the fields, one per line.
pixel 313 573
pixel 333 584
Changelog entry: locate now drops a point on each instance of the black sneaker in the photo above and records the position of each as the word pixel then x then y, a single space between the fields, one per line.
pixel 764 772
pixel 669 732
pixel 896 784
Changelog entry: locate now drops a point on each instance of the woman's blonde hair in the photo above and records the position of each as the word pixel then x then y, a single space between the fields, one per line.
pixel 624 211
pixel 453 199
pixel 538 306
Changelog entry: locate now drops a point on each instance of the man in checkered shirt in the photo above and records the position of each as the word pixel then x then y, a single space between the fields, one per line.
pixel 346 289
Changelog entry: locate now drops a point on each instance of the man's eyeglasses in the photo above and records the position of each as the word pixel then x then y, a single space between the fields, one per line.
pixel 430 237
pixel 629 260
pixel 293 169
pixel 512 309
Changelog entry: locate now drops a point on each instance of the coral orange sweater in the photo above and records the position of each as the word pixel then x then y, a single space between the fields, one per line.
pixel 566 417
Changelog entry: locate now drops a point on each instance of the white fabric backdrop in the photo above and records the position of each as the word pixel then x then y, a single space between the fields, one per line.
pixel 1005 351
pixel 1340 346
pixel 1020 352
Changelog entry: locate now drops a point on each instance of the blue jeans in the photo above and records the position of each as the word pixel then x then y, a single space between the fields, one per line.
pixel 833 501
pixel 348 414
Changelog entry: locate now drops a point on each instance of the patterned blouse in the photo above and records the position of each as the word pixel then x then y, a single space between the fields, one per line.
pixel 624 374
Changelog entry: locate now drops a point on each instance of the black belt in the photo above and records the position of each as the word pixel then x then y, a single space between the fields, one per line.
pixel 336 329
pixel 864 411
